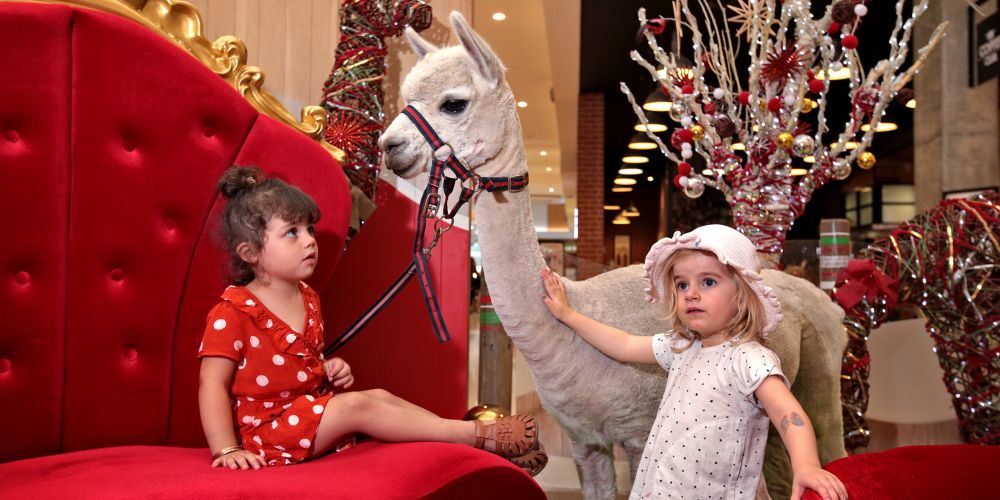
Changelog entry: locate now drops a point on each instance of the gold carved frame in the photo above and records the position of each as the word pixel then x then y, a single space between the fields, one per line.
pixel 180 22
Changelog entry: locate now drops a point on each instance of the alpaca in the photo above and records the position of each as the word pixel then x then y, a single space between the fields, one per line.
pixel 462 93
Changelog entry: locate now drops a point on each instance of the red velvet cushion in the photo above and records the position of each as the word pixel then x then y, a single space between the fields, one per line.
pixel 953 471
pixel 370 471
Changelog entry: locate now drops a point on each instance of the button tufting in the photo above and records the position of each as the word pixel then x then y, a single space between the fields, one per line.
pixel 12 136
pixel 128 145
pixel 22 278
pixel 170 224
pixel 208 131
pixel 117 274
pixel 4 365
pixel 131 354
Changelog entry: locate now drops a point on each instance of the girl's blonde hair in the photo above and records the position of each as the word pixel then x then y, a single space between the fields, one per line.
pixel 746 325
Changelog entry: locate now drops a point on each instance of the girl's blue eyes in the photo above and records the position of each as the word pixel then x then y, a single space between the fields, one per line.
pixel 706 283
pixel 294 232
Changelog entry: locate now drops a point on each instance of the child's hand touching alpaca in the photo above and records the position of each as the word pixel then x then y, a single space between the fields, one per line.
pixel 555 295
pixel 338 372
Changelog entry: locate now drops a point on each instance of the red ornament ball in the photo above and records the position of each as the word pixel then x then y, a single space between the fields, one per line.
pixel 744 97
pixel 683 168
pixel 710 108
pixel 774 105
pixel 680 136
pixel 687 89
pixel 849 42
pixel 833 28
pixel 677 181
pixel 816 86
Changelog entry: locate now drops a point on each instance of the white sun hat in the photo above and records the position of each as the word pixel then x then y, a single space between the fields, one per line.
pixel 731 247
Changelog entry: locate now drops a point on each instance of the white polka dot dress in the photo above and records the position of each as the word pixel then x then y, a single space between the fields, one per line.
pixel 708 439
pixel 280 387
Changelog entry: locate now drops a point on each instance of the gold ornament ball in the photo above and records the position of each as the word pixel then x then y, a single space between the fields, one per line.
pixel 784 140
pixel 697 132
pixel 866 160
pixel 807 105
pixel 484 412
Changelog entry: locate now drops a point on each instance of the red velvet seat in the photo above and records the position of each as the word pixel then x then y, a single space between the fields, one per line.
pixel 111 140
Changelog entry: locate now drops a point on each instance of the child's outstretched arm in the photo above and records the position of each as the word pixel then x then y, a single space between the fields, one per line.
pixel 616 343
pixel 217 415
pixel 797 432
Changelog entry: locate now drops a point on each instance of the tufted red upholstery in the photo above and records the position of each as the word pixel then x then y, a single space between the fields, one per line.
pixel 947 471
pixel 111 140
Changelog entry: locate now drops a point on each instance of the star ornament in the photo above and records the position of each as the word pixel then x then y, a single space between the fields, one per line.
pixel 781 65
pixel 749 14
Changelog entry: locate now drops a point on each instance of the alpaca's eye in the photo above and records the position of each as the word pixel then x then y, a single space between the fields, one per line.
pixel 454 106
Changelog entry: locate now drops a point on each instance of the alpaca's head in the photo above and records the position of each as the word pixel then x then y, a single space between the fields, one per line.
pixel 462 93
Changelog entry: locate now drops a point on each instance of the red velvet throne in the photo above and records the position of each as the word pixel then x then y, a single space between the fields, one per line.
pixel 111 139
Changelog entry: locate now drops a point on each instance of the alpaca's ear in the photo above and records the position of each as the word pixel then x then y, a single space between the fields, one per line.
pixel 487 61
pixel 417 43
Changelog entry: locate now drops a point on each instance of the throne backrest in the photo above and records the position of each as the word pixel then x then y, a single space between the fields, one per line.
pixel 112 137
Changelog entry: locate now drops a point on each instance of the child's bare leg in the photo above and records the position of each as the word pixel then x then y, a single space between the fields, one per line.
pixel 389 397
pixel 352 412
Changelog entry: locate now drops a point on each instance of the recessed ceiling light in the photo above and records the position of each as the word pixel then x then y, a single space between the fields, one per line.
pixel 625 181
pixel 635 159
pixel 522 104
pixel 649 178
pixel 737 146
pixel 548 169
pixel 499 16
pixel 653 127
pixel 543 153
pixel 621 189
pixel 809 159
pixel 799 171
pixel 629 171
pixel 882 127
pixel 838 74
pixel 612 207
pixel 912 103
pixel 552 190
pixel 708 172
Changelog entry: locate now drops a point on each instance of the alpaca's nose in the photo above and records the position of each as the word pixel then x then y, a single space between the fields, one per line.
pixel 389 142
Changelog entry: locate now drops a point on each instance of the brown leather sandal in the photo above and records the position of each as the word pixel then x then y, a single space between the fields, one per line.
pixel 508 437
pixel 533 461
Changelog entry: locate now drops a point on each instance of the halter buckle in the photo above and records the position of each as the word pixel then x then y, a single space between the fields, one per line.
pixel 511 187
pixel 433 203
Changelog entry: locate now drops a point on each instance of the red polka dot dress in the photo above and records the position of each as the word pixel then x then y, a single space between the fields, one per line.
pixel 280 384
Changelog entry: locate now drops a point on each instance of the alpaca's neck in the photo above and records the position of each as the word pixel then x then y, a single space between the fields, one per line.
pixel 512 265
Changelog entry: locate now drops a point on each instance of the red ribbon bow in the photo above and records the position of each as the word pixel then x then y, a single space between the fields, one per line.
pixel 862 280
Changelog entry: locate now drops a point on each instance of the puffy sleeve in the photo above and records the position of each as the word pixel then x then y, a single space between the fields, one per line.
pixel 224 332
pixel 752 363
pixel 662 343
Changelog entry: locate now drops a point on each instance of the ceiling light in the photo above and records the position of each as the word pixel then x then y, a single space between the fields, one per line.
pixel 655 128
pixel 912 103
pixel 548 169
pixel 612 207
pixel 882 127
pixel 552 190
pixel 737 146
pixel 621 189
pixel 499 16
pixel 625 170
pixel 631 211
pixel 657 102
pixel 522 104
pixel 625 181
pixel 840 74
pixel 641 142
pixel 809 159
pixel 847 145
pixel 635 159
pixel 543 153
pixel 708 172
pixel 620 219
pixel 650 178
pixel 799 171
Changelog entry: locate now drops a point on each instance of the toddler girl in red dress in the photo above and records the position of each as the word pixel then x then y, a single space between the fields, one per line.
pixel 262 351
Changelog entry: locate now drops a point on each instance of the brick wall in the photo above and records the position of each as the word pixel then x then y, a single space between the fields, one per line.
pixel 590 184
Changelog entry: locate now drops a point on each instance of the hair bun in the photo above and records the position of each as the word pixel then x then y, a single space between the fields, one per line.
pixel 238 179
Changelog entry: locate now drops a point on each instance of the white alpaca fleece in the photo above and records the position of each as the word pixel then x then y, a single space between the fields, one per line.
pixel 598 401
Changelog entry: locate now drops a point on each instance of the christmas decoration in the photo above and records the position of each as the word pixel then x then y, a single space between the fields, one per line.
pixel 790 52
pixel 946 262
pixel 353 93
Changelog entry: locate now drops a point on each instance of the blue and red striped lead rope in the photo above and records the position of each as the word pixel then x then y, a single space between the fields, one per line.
pixel 430 204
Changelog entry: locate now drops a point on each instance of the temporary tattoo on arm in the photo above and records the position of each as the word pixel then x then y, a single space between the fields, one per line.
pixel 793 419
